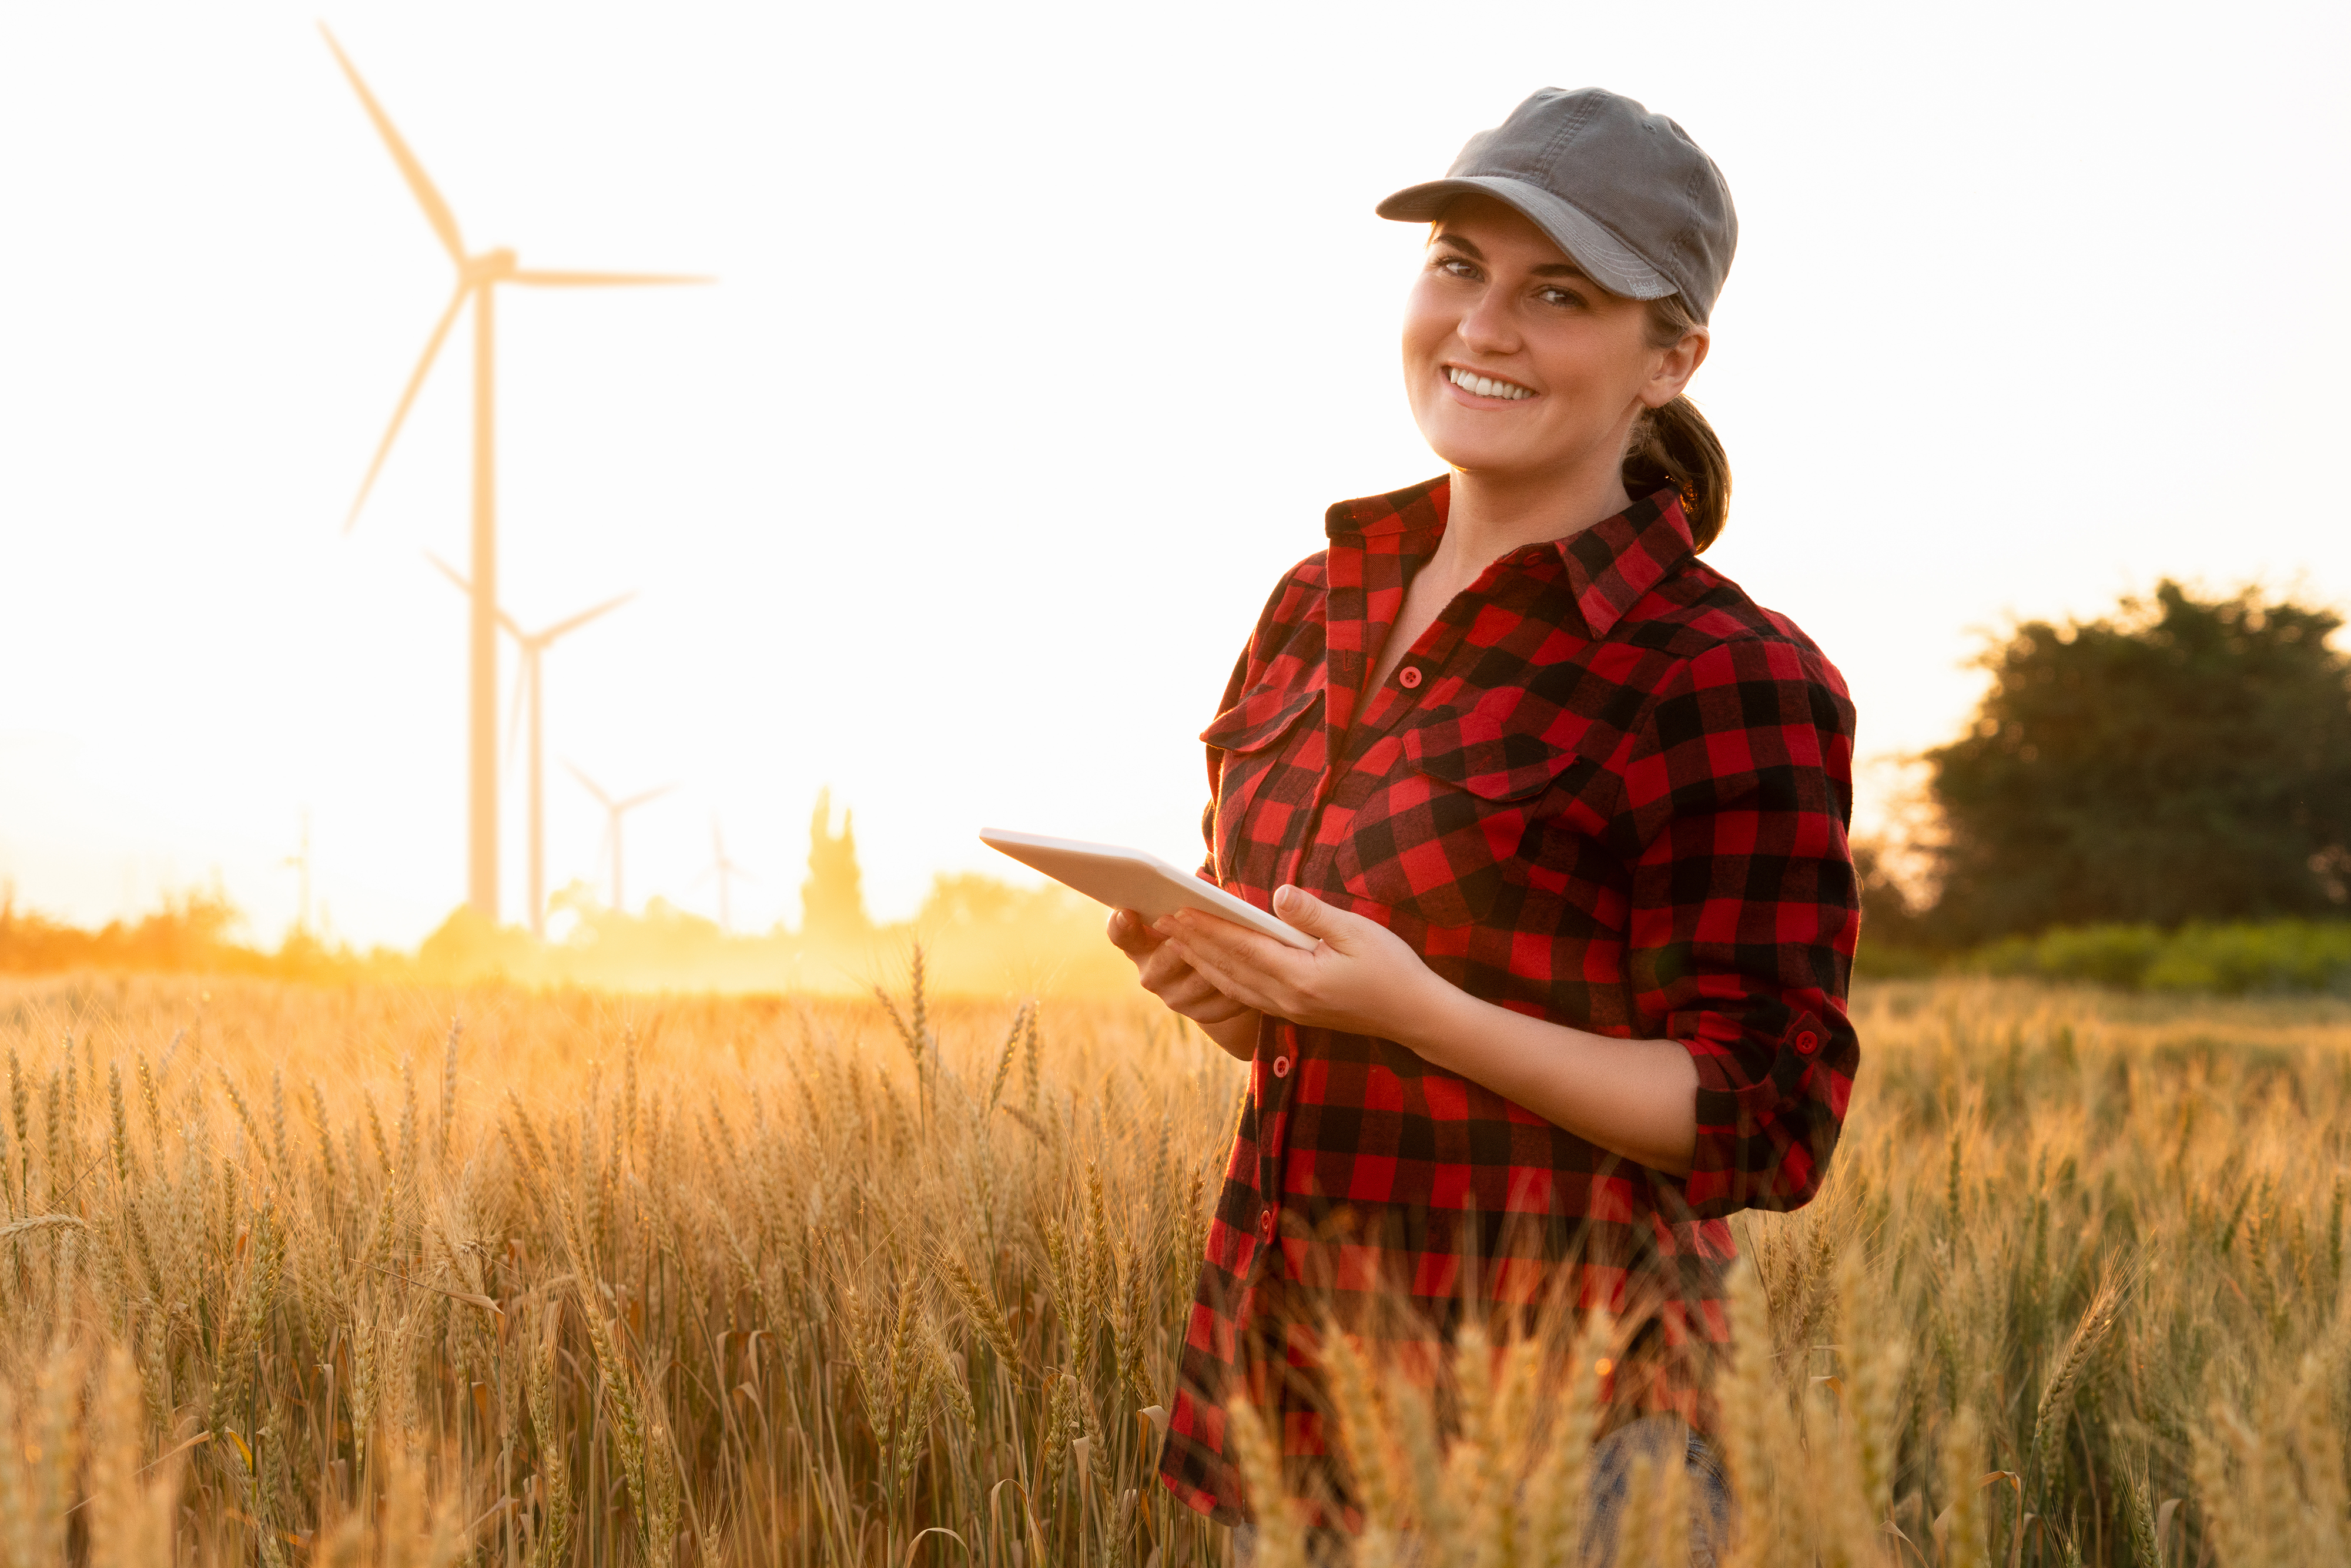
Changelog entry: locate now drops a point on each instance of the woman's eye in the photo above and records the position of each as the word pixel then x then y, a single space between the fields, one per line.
pixel 1454 266
pixel 1567 299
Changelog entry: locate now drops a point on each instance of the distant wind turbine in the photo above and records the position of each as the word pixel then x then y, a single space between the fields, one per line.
pixel 477 277
pixel 613 811
pixel 528 688
pixel 722 868
pixel 301 862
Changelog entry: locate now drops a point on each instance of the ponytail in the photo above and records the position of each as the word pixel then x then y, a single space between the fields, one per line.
pixel 1675 445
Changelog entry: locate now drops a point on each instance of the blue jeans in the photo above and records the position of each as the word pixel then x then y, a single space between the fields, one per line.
pixel 1612 1468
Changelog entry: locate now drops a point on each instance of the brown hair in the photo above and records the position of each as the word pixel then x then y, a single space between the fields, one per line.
pixel 1675 445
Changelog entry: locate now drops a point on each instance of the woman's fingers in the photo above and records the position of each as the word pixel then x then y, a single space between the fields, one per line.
pixel 1162 970
pixel 1235 948
pixel 1228 958
pixel 1168 977
pixel 1360 974
pixel 1131 934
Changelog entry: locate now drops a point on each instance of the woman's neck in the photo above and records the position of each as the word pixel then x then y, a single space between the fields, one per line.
pixel 1489 516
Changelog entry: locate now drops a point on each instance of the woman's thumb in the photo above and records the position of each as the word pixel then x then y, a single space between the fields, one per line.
pixel 1302 909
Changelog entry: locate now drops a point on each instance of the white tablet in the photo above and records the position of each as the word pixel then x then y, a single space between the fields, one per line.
pixel 1130 879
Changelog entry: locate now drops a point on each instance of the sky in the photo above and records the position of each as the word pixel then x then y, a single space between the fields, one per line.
pixel 1041 338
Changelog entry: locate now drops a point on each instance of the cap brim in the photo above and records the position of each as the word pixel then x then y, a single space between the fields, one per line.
pixel 1589 245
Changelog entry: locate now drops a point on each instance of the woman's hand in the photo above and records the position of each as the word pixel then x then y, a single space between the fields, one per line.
pixel 1163 972
pixel 1363 977
pixel 1635 1097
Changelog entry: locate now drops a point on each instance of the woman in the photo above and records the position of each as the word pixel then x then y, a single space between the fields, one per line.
pixel 1566 809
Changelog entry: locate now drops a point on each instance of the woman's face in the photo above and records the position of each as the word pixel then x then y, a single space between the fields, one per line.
pixel 1565 365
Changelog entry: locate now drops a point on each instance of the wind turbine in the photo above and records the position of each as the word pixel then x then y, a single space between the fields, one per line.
pixel 478 275
pixel 722 868
pixel 301 862
pixel 528 685
pixel 614 810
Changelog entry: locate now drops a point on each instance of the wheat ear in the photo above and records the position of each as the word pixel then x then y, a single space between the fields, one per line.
pixel 1558 1492
pixel 2098 1320
pixel 1280 1533
pixel 979 1306
pixel 554 1548
pixel 1961 1523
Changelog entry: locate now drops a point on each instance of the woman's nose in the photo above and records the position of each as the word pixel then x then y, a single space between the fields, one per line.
pixel 1488 328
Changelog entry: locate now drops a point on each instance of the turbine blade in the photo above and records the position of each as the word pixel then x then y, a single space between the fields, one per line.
pixel 543 277
pixel 526 671
pixel 407 400
pixel 467 589
pixel 436 211
pixel 633 801
pixel 562 627
pixel 451 573
pixel 602 799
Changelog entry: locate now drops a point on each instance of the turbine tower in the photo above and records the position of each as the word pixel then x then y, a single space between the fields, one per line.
pixel 528 688
pixel 722 868
pixel 478 275
pixel 300 861
pixel 614 810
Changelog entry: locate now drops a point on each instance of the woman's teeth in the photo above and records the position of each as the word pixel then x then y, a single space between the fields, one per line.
pixel 1486 386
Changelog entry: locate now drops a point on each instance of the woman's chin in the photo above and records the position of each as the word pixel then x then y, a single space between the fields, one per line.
pixel 1498 460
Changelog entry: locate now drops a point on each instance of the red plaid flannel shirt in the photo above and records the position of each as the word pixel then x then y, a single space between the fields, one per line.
pixel 1605 788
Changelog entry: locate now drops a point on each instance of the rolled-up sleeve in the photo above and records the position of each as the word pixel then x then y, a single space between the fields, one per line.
pixel 1737 796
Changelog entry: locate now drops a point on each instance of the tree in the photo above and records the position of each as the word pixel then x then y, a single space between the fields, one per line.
pixel 833 900
pixel 2186 759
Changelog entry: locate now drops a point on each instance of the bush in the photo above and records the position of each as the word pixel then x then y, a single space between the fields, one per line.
pixel 2270 957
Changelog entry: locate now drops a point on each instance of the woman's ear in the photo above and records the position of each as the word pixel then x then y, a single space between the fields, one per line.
pixel 1674 368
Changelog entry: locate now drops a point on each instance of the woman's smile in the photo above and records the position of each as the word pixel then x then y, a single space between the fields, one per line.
pixel 1482 391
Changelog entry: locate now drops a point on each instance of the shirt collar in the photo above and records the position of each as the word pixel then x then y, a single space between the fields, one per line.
pixel 1614 562
pixel 1609 565
pixel 1418 509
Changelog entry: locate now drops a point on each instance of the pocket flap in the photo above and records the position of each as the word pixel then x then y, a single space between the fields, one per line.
pixel 1262 716
pixel 1475 751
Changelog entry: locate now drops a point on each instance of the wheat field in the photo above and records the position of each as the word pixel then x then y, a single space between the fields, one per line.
pixel 389 1275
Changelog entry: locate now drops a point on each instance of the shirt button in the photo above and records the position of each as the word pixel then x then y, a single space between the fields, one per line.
pixel 1282 1067
pixel 1408 677
pixel 1808 1042
pixel 1265 1221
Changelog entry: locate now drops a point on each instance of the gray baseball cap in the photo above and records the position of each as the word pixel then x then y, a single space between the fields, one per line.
pixel 1625 193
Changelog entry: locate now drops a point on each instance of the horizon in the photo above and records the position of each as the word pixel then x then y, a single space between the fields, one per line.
pixel 963 514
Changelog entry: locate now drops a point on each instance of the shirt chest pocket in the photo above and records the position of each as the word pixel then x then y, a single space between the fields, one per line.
pixel 1448 836
pixel 1257 736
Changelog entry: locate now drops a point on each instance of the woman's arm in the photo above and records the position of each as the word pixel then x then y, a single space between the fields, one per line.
pixel 1638 1098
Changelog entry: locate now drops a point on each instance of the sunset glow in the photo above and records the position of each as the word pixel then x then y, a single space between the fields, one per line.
pixel 957 492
